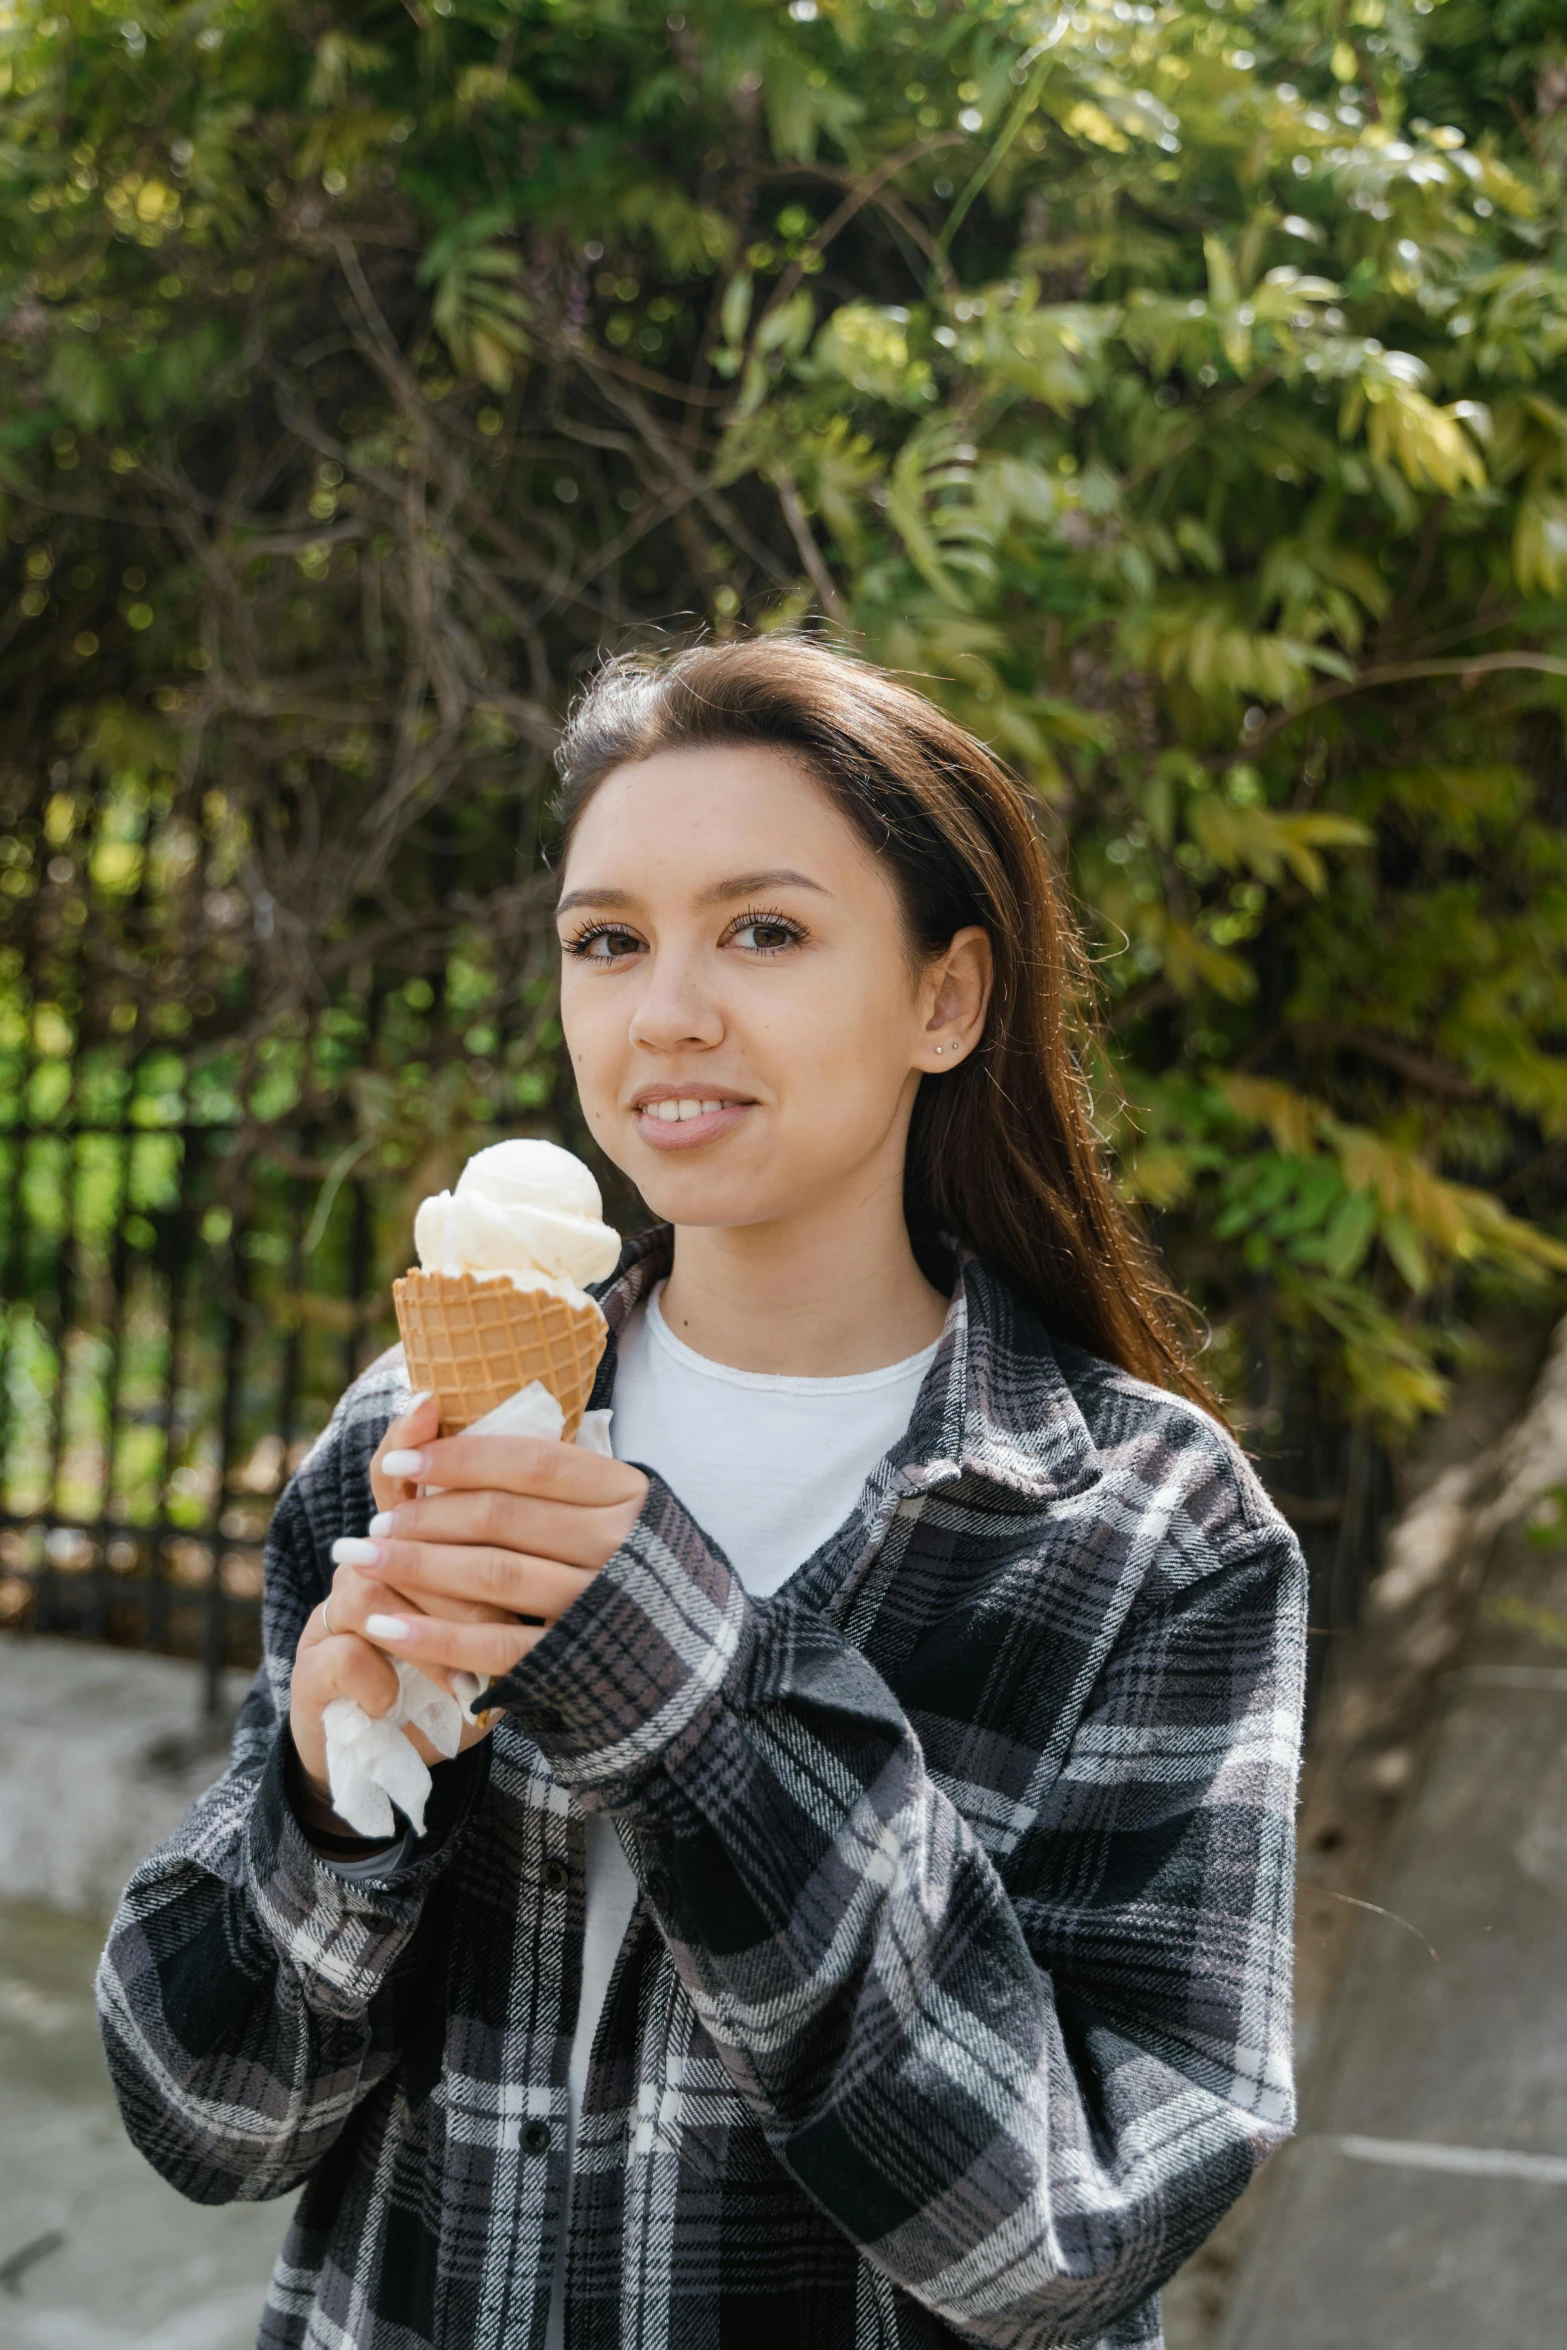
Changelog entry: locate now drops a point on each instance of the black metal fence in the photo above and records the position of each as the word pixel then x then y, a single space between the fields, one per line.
pixel 218 1110
pixel 188 1294
pixel 183 1302
pixel 195 1258
pixel 217 1113
pixel 202 1208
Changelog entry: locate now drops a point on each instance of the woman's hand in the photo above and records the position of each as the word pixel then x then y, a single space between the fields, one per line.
pixel 334 1659
pixel 519 1529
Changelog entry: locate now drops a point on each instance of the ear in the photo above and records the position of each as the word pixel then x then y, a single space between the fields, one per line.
pixel 954 997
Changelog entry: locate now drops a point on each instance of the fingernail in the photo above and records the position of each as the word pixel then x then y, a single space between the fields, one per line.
pixel 416 1403
pixel 381 1523
pixel 403 1464
pixel 387 1627
pixel 349 1550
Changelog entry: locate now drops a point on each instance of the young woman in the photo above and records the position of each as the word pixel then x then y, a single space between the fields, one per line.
pixel 868 1920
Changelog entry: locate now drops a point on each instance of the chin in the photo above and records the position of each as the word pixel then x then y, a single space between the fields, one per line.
pixel 694 1197
pixel 703 1189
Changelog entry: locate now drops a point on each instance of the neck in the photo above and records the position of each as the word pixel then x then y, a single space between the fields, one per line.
pixel 819 1295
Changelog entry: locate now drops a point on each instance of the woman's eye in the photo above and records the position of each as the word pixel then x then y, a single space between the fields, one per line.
pixel 765 938
pixel 605 946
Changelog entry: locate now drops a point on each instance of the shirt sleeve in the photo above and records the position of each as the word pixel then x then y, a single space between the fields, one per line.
pixel 1025 2101
pixel 251 1995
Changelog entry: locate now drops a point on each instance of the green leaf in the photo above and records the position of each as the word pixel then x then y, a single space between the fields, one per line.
pixel 1404 1245
pixel 1351 1230
pixel 735 310
pixel 482 314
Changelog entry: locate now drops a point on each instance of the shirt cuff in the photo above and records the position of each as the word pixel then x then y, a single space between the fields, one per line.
pixel 342 1932
pixel 630 1677
pixel 371 1867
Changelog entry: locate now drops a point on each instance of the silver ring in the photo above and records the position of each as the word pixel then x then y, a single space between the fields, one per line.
pixel 326 1617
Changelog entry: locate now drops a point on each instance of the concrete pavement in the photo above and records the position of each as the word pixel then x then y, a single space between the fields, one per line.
pixel 97 1762
pixel 96 2253
pixel 1424 2206
pixel 101 1754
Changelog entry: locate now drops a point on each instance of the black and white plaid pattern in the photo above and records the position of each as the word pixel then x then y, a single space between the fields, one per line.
pixel 956 2004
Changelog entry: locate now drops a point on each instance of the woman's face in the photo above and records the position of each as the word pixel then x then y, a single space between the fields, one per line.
pixel 745 1023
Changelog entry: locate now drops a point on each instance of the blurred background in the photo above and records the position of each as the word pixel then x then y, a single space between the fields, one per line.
pixel 1177 392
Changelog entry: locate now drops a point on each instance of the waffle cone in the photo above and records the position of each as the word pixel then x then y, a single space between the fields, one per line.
pixel 477 1342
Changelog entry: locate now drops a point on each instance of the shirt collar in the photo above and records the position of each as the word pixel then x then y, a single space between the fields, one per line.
pixel 996 1403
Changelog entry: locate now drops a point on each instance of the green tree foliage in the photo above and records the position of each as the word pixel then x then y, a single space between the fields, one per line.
pixel 1177 390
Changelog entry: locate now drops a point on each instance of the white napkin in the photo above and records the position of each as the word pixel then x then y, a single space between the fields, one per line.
pixel 370 1764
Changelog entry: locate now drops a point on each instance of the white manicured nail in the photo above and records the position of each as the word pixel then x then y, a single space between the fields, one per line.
pixel 350 1550
pixel 381 1523
pixel 404 1464
pixel 416 1403
pixel 387 1627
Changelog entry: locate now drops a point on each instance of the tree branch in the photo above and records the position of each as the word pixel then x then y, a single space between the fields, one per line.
pixel 1405 673
pixel 810 553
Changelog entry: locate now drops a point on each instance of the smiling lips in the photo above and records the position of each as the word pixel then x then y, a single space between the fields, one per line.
pixel 680 1121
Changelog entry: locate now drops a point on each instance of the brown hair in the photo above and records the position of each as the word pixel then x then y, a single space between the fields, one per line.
pixel 1002 1153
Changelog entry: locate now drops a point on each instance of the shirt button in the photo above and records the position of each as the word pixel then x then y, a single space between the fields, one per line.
pixel 536 2138
pixel 658 1889
pixel 556 1876
pixel 547 1717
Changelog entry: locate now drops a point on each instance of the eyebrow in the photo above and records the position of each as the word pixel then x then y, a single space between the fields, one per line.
pixel 734 885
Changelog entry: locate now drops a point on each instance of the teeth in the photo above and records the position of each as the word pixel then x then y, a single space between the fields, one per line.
pixel 687 1106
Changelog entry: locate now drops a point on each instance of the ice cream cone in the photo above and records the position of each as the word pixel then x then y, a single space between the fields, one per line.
pixel 477 1342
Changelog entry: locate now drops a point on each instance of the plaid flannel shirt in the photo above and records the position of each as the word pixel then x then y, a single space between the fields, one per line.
pixel 955 2007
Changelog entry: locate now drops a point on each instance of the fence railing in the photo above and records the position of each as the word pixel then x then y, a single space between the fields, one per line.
pixel 203 1201
pixel 165 1363
pixel 194 1263
pixel 183 1302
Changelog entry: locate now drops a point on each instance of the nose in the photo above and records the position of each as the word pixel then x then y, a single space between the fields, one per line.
pixel 673 1007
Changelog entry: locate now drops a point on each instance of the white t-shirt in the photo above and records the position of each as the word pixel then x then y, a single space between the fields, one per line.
pixel 769 1467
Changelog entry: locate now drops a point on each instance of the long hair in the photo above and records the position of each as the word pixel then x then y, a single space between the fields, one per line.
pixel 1002 1152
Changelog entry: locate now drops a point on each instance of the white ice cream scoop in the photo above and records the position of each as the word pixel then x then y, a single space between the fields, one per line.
pixel 519 1207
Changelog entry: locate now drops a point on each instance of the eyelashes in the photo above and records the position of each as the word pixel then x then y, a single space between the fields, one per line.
pixel 780 930
pixel 582 941
pixel 767 918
